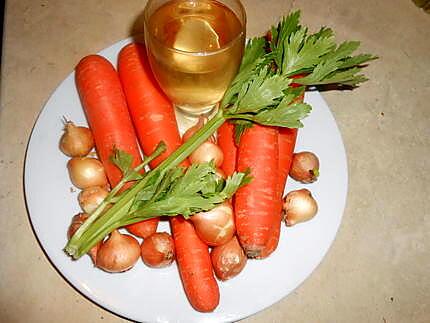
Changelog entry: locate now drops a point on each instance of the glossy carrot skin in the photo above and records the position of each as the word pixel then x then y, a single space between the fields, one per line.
pixel 152 113
pixel 228 147
pixel 155 121
pixel 195 265
pixel 256 204
pixel 286 141
pixel 106 110
pixel 143 229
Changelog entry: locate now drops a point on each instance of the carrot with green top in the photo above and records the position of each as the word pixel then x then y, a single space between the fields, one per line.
pixel 287 138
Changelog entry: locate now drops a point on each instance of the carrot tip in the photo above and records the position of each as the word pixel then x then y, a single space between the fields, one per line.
pixel 253 253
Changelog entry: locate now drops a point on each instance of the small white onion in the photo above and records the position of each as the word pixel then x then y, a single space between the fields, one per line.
pixel 86 172
pixel 207 152
pixel 299 206
pixel 305 167
pixel 91 197
pixel 158 250
pixel 228 260
pixel 76 141
pixel 215 227
pixel 118 253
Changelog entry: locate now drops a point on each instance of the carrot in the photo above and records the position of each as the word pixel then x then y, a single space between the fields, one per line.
pixel 256 204
pixel 273 241
pixel 106 111
pixel 286 140
pixel 151 111
pixel 196 273
pixel 155 121
pixel 228 147
pixel 105 107
pixel 143 228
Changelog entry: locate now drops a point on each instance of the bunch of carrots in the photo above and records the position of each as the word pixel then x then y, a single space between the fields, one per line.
pixel 127 110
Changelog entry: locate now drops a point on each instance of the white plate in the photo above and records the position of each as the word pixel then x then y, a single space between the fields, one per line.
pixel 156 295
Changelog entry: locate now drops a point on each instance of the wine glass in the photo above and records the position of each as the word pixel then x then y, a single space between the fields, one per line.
pixel 194 49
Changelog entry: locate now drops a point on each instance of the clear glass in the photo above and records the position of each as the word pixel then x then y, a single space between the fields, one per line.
pixel 194 49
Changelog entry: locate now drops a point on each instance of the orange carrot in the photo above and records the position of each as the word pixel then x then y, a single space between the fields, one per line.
pixel 105 107
pixel 106 111
pixel 256 204
pixel 155 121
pixel 151 111
pixel 286 140
pixel 273 241
pixel 143 228
pixel 228 147
pixel 195 266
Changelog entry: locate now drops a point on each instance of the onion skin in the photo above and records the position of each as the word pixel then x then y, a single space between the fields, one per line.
pixel 76 141
pixel 299 206
pixel 228 260
pixel 91 197
pixel 158 250
pixel 77 221
pixel 215 227
pixel 206 152
pixel 85 172
pixel 118 253
pixel 305 167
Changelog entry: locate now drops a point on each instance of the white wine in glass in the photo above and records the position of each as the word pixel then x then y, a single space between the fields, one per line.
pixel 194 49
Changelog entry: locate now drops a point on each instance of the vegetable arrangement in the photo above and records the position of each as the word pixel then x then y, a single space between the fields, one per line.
pixel 222 192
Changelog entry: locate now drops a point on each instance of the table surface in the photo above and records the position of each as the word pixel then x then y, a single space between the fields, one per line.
pixel 378 267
